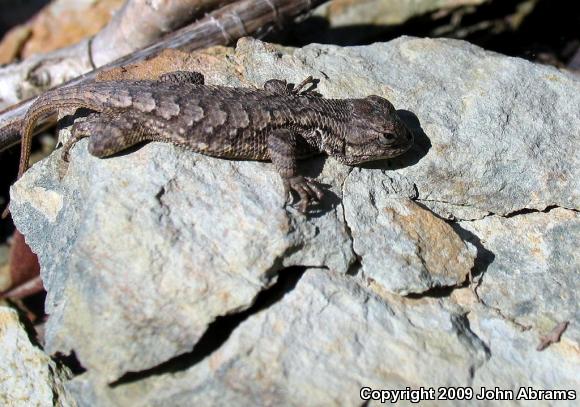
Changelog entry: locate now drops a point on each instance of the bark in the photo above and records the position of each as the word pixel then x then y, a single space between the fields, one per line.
pixel 141 22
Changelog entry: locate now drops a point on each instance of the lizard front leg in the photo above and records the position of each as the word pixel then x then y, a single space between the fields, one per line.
pixel 109 132
pixel 284 147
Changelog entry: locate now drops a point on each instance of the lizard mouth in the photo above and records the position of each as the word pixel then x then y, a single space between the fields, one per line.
pixel 391 153
pixel 399 147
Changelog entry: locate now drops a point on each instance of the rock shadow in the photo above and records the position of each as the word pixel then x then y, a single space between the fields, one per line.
pixel 218 332
pixel 484 257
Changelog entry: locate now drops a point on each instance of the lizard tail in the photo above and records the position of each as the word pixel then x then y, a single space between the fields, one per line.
pixel 32 116
pixel 45 107
pixel 35 113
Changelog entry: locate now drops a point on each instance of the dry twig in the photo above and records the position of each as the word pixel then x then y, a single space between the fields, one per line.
pixel 553 337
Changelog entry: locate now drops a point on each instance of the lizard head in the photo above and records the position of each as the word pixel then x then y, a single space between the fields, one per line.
pixel 377 132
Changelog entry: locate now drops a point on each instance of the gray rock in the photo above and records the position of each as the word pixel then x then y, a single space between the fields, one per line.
pixel 142 252
pixel 403 246
pixel 28 376
pixel 352 336
pixel 493 133
pixel 152 264
pixel 516 364
pixel 534 275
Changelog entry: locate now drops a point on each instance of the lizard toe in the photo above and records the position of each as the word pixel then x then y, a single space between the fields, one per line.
pixel 307 190
pixel 314 189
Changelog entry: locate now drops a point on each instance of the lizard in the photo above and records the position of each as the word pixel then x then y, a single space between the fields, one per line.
pixel 281 123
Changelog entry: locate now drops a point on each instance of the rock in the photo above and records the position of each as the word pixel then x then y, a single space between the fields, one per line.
pixel 351 22
pixel 61 23
pixel 296 359
pixel 533 278
pixel 515 362
pixel 146 254
pixel 28 377
pixel 342 13
pixel 403 246
pixel 351 337
pixel 174 255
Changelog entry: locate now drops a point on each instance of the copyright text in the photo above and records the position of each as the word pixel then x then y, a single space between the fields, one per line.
pixel 463 393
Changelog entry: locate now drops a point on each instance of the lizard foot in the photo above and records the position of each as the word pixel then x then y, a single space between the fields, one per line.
pixel 79 131
pixel 282 87
pixel 307 189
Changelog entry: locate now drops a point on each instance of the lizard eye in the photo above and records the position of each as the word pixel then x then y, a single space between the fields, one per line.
pixel 389 137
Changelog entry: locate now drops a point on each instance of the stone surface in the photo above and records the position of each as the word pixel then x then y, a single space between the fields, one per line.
pixel 533 278
pixel 61 23
pixel 515 362
pixel 403 246
pixel 341 13
pixel 349 338
pixel 172 254
pixel 147 253
pixel 28 377
pixel 352 336
pixel 352 22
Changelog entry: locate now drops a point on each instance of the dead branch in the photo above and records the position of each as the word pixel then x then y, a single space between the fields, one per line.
pixel 141 22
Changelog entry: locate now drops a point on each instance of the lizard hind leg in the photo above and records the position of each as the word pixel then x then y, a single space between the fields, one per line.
pixel 114 132
pixel 79 131
pixel 109 133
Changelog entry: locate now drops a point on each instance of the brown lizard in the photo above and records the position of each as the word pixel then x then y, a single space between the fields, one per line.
pixel 281 123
